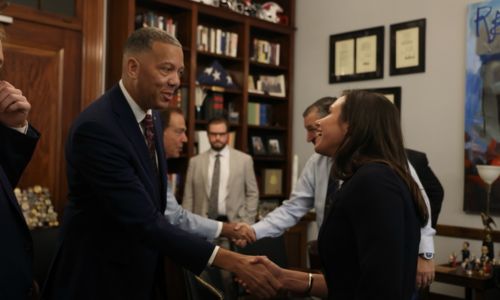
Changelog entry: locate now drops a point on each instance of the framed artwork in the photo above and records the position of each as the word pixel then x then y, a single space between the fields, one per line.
pixel 273 182
pixel 258 146
pixel 357 55
pixel 391 93
pixel 481 108
pixel 407 47
pixel 274 147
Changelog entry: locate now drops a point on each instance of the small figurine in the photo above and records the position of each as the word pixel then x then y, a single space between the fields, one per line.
pixel 270 11
pixel 465 251
pixel 487 268
pixel 488 242
pixel 467 266
pixel 452 259
pixel 477 264
pixel 484 255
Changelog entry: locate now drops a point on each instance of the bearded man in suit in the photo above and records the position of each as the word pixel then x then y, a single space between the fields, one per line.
pixel 235 196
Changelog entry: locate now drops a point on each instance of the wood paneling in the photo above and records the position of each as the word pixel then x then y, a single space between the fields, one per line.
pixel 44 59
pixel 93 51
pixel 465 232
pixel 42 86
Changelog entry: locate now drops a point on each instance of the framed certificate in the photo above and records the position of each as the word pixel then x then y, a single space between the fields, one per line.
pixel 407 47
pixel 357 55
pixel 393 94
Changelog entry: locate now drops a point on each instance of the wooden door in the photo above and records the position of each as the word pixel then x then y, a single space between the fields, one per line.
pixel 44 61
pixel 57 61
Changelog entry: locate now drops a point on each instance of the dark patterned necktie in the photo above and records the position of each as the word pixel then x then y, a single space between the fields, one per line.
pixel 148 126
pixel 330 194
pixel 213 205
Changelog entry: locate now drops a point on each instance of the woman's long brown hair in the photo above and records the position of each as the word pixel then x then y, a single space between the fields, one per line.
pixel 374 135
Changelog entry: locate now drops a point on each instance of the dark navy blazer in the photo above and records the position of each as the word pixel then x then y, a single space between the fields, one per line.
pixel 16 246
pixel 114 233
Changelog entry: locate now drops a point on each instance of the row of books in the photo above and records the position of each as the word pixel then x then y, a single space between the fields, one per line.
pixel 212 106
pixel 259 114
pixel 181 99
pixel 152 19
pixel 266 52
pixel 216 40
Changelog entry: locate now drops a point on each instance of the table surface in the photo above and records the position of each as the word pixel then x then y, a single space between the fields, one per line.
pixel 457 276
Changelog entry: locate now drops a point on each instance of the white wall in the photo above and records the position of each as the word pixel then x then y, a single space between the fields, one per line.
pixel 432 102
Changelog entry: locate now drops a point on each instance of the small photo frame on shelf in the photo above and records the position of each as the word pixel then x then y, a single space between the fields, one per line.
pixel 407 47
pixel 274 147
pixel 272 85
pixel 357 55
pixel 273 182
pixel 258 146
pixel 251 85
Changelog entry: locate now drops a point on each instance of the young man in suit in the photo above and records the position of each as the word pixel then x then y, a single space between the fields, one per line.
pixel 235 197
pixel 114 233
pixel 17 143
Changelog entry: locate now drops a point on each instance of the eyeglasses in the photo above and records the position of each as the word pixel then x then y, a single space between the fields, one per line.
pixel 214 134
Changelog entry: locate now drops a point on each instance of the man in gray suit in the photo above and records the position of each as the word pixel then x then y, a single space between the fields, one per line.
pixel 235 196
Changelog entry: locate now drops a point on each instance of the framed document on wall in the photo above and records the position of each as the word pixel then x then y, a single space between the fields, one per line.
pixel 357 55
pixel 393 94
pixel 407 47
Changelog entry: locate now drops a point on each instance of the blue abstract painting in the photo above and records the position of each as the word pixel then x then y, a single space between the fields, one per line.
pixel 482 104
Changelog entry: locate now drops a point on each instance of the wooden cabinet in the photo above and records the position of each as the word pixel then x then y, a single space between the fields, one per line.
pixel 274 125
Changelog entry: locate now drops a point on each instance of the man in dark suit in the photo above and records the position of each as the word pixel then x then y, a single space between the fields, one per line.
pixel 114 233
pixel 431 183
pixel 17 142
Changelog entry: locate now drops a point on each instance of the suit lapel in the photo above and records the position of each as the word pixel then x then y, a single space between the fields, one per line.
pixel 204 173
pixel 128 123
pixel 232 165
pixel 162 162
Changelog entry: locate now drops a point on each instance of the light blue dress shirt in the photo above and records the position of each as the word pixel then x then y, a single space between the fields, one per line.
pixel 178 216
pixel 310 191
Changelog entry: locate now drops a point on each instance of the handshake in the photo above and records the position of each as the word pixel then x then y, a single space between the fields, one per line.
pixel 241 234
pixel 260 276
pixel 257 274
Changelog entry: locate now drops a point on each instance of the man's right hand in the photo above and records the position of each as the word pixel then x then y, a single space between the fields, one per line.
pixel 239 233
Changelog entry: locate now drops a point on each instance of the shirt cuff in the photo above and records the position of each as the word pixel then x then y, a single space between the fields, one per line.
pixel 219 229
pixel 426 244
pixel 23 129
pixel 259 229
pixel 212 257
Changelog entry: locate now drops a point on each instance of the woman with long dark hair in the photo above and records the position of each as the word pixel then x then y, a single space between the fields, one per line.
pixel 368 243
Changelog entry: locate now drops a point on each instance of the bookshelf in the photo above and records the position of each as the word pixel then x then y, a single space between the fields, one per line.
pixel 245 46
